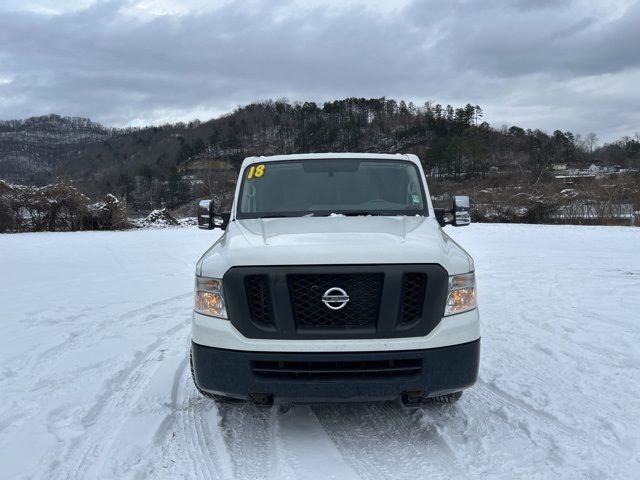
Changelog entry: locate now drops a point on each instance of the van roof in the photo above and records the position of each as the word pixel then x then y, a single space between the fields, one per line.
pixel 320 156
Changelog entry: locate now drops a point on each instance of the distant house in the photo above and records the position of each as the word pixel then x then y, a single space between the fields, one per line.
pixel 202 163
pixel 586 211
pixel 569 175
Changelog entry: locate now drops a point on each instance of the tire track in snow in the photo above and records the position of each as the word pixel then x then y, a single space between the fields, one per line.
pixel 248 431
pixel 233 440
pixel 227 441
pixel 203 445
pixel 193 436
pixel 305 451
pixel 543 429
pixel 104 421
pixel 109 414
pixel 160 303
pixel 170 420
pixel 174 438
pixel 44 361
pixel 387 441
pixel 492 391
pixel 281 468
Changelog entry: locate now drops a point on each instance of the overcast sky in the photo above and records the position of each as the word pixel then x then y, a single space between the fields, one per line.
pixel 538 64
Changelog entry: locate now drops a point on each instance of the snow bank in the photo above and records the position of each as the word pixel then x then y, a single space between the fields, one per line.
pixel 95 382
pixel 162 218
pixel 159 218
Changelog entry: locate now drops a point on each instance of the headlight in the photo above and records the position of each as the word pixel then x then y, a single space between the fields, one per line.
pixel 209 297
pixel 462 294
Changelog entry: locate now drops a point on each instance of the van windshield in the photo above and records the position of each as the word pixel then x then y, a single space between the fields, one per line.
pixel 322 187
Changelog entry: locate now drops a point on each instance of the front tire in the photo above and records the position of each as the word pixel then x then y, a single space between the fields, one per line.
pixel 212 396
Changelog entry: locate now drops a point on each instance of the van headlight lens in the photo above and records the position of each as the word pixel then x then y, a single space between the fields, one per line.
pixel 462 294
pixel 209 297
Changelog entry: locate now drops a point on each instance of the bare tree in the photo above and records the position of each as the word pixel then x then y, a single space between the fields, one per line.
pixel 591 140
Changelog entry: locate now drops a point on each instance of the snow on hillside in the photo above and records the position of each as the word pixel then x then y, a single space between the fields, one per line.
pixel 95 383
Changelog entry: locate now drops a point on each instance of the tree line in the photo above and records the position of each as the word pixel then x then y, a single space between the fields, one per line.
pixel 152 166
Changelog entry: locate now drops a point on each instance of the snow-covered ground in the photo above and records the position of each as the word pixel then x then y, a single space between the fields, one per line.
pixel 94 379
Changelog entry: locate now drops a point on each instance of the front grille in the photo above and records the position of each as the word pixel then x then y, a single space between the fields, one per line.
pixel 363 289
pixel 284 302
pixel 330 370
pixel 257 288
pixel 413 289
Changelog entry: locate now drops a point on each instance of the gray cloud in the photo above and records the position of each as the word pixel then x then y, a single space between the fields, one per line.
pixel 537 64
pixel 560 40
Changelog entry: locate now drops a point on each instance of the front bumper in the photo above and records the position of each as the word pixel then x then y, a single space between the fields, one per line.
pixel 335 377
pixel 453 330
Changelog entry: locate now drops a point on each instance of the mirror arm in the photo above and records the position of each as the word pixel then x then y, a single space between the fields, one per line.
pixel 440 213
pixel 226 218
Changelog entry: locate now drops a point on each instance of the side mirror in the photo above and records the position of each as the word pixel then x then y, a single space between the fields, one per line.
pixel 458 216
pixel 461 211
pixel 208 219
pixel 205 214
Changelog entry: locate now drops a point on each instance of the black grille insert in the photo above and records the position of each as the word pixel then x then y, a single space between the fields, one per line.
pixel 259 299
pixel 328 370
pixel 363 289
pixel 414 285
pixel 285 301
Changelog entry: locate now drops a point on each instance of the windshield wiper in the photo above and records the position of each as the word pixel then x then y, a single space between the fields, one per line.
pixel 360 213
pixel 280 215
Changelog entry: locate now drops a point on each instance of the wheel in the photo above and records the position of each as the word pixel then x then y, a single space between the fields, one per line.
pixel 213 396
pixel 448 398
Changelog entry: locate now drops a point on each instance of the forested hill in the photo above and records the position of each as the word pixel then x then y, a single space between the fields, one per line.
pixel 39 144
pixel 165 164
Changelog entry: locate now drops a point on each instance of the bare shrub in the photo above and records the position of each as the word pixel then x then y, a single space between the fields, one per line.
pixel 57 207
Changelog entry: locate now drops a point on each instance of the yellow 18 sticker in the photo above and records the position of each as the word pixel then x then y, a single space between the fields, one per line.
pixel 256 171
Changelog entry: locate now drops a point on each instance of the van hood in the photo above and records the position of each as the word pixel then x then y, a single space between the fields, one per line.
pixel 332 241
